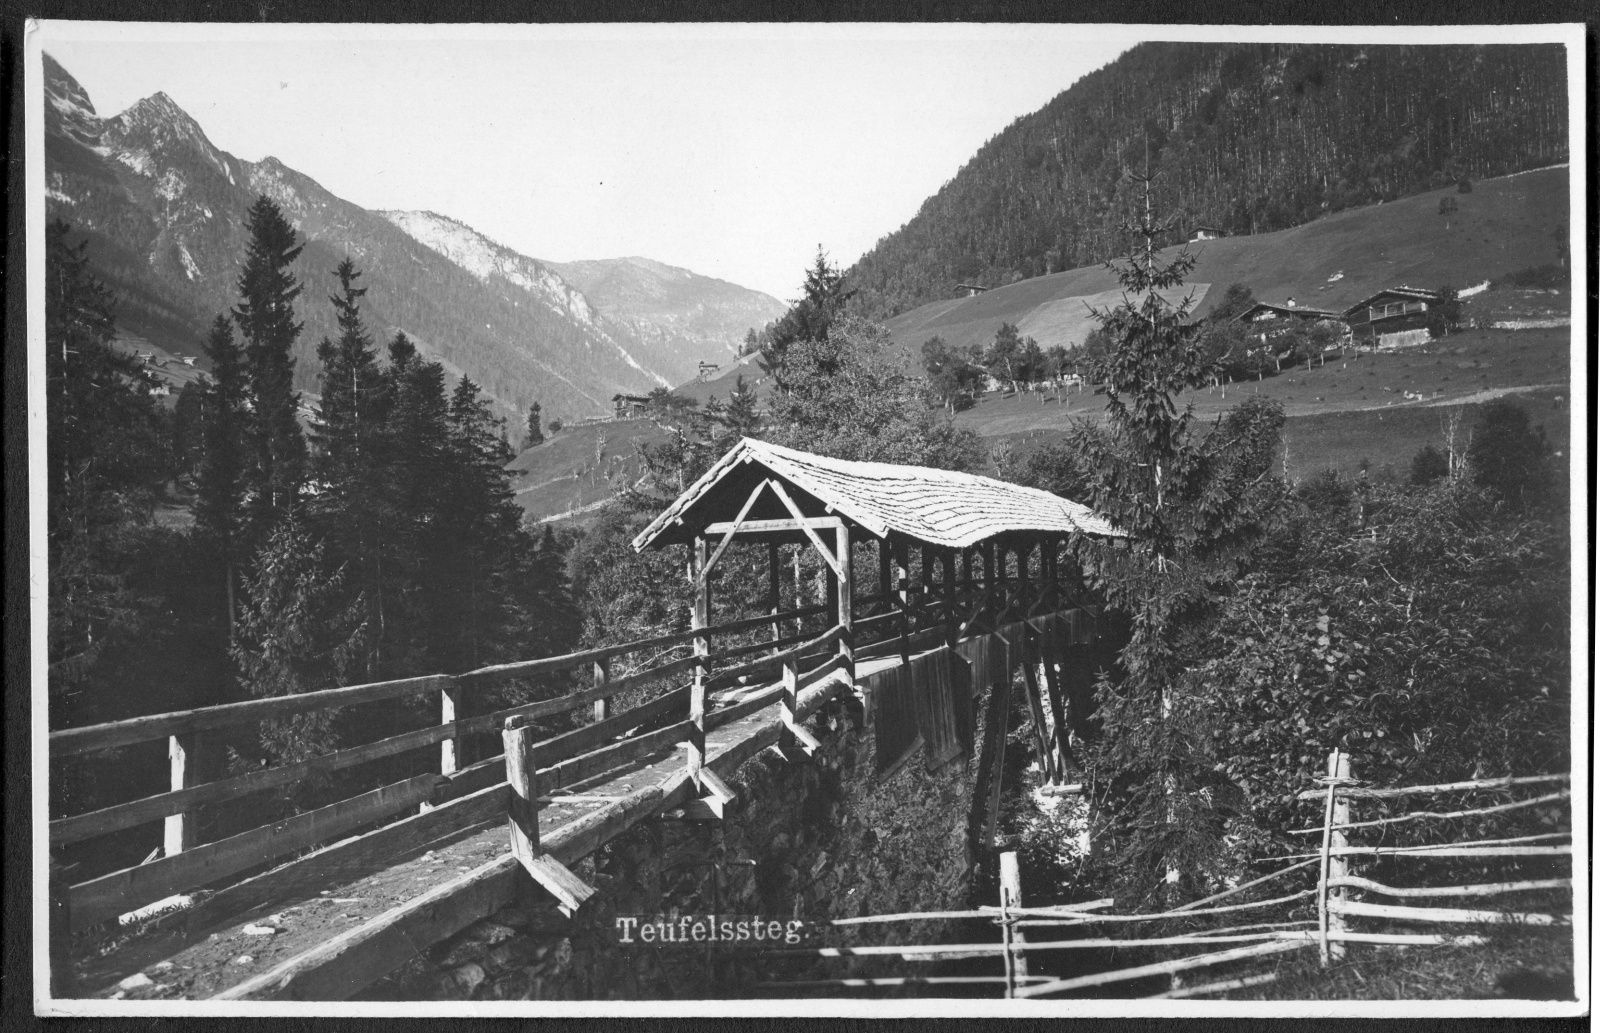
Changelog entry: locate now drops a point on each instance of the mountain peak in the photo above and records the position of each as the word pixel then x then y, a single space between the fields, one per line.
pixel 68 108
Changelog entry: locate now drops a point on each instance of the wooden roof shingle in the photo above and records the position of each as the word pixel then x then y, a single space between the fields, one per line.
pixel 940 507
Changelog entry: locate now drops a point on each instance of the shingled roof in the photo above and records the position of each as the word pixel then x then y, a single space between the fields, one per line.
pixel 939 507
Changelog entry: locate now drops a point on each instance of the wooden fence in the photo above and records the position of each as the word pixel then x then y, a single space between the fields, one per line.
pixel 1333 895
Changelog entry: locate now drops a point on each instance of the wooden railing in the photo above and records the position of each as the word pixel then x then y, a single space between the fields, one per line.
pixel 186 864
pixel 918 615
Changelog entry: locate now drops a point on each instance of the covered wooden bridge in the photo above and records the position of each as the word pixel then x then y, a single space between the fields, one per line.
pixel 936 587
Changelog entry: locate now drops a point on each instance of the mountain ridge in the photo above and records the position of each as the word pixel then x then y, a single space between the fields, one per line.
pixel 164 210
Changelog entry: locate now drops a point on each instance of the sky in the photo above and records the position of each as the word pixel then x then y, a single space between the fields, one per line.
pixel 734 151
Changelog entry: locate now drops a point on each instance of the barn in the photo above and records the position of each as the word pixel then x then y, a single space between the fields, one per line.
pixel 1393 310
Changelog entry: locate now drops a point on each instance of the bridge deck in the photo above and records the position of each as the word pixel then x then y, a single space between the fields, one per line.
pixel 356 915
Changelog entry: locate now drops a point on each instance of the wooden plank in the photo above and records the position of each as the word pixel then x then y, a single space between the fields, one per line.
pixel 577 769
pixel 70 742
pixel 822 523
pixel 698 619
pixel 557 879
pixel 765 663
pixel 110 895
pixel 845 617
pixel 356 958
pixel 1058 708
pixel 354 857
pixel 755 702
pixel 1479 889
pixel 601 733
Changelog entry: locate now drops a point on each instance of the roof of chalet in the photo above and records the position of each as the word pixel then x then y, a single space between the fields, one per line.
pixel 1285 310
pixel 1418 293
pixel 940 507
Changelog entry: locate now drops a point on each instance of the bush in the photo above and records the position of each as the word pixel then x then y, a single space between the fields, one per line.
pixel 1428 465
pixel 1464 186
pixel 1448 205
pixel 1508 456
pixel 1536 277
pixel 1432 646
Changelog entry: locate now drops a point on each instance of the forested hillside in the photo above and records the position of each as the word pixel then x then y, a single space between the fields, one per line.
pixel 1245 138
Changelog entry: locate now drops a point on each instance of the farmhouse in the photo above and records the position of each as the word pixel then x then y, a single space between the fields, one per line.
pixel 972 289
pixel 1262 312
pixel 1206 233
pixel 1393 310
pixel 627 405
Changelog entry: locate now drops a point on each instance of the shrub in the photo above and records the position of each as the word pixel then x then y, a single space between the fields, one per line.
pixel 1428 465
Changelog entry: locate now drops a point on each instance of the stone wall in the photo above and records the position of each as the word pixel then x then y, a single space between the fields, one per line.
pixel 815 838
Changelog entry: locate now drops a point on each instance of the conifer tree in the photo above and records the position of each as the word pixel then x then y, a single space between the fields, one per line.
pixel 535 430
pixel 106 450
pixel 353 505
pixel 219 502
pixel 275 446
pixel 1192 506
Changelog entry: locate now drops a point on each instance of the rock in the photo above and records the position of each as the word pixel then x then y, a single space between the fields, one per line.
pixel 469 977
pixel 137 981
pixel 161 966
pixel 259 930
pixel 244 959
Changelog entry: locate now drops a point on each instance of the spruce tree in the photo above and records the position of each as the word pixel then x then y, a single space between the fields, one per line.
pixel 535 430
pixel 353 505
pixel 275 446
pixel 219 502
pixel 1192 507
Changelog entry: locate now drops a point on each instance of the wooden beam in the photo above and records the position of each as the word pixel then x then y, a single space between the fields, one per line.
pixel 846 602
pixel 738 521
pixel 800 518
pixel 1041 733
pixel 697 697
pixel 902 585
pixel 522 803
pixel 775 588
pixel 822 523
pixel 449 712
pixel 70 742
pixel 602 675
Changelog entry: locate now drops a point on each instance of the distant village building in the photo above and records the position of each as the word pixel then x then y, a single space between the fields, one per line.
pixel 706 369
pixel 1263 311
pixel 1391 311
pixel 623 406
pixel 972 289
pixel 1206 233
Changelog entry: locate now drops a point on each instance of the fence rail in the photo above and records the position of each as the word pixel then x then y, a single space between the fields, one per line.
pixel 1331 894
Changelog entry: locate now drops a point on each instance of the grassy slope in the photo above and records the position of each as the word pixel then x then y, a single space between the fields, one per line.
pixel 1350 409
pixel 580 466
pixel 1502 225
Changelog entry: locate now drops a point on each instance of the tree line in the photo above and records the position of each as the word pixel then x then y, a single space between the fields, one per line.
pixel 1248 138
pixel 370 537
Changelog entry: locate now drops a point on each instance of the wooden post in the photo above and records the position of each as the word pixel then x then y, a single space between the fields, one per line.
pixel 951 618
pixel 774 585
pixel 902 585
pixel 991 581
pixel 697 693
pixel 1338 863
pixel 1016 940
pixel 522 775
pixel 1324 867
pixel 1030 678
pixel 449 711
pixel 846 603
pixel 602 675
pixel 182 752
pixel 885 577
pixel 522 819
